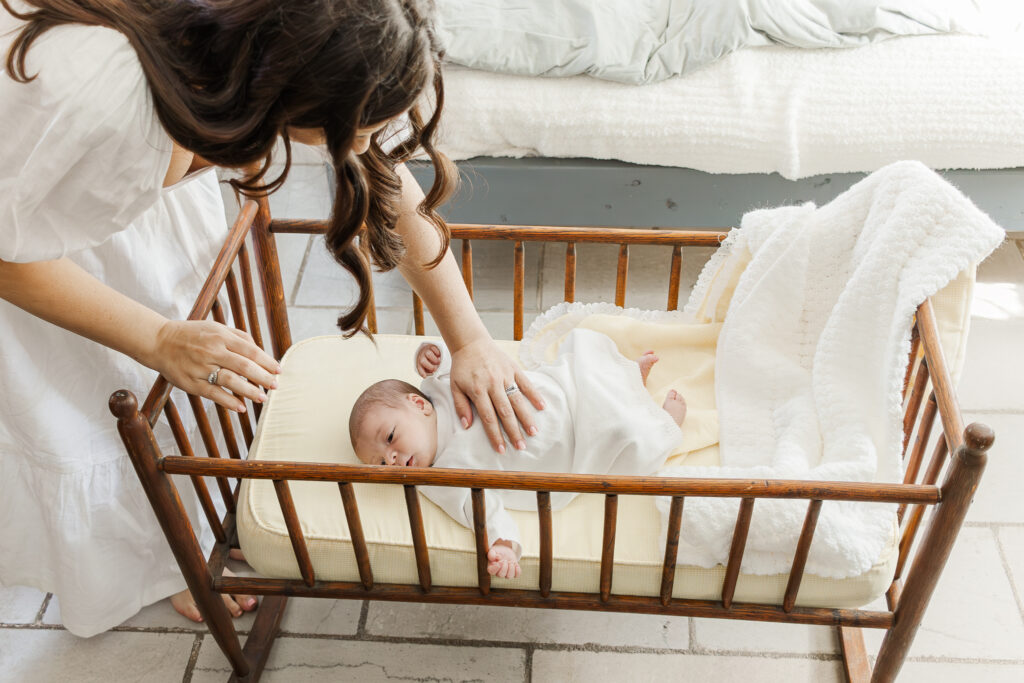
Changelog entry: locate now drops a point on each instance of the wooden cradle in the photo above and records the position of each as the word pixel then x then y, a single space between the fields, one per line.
pixel 929 393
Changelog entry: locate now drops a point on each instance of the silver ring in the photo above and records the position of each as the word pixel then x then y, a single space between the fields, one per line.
pixel 511 390
pixel 212 377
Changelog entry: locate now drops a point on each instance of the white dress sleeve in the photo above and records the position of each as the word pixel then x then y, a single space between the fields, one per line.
pixel 83 154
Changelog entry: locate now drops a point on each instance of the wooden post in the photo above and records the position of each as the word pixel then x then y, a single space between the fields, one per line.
pixel 145 453
pixel 269 267
pixel 958 489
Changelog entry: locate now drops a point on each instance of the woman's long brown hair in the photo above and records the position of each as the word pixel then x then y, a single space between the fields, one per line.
pixel 230 77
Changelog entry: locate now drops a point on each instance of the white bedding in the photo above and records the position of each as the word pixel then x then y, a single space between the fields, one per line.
pixel 812 354
pixel 645 41
pixel 950 101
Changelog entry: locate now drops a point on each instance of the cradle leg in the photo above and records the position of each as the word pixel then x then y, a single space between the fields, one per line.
pixel 261 637
pixel 957 491
pixel 144 453
pixel 855 657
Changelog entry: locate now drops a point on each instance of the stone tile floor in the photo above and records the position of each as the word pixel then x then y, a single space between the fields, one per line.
pixel 974 628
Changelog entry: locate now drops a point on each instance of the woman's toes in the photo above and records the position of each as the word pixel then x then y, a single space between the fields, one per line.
pixel 184 605
pixel 233 607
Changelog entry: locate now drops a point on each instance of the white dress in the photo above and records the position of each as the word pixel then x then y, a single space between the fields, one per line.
pixel 82 161
pixel 598 419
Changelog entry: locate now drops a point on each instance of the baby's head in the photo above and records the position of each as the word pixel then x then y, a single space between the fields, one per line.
pixel 393 423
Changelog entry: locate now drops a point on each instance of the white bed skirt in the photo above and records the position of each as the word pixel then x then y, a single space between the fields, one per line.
pixel 949 101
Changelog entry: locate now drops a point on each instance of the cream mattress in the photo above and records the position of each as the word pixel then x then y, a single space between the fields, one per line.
pixel 944 100
pixel 306 419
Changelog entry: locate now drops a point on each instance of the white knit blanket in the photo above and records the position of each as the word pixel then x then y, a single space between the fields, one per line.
pixel 811 357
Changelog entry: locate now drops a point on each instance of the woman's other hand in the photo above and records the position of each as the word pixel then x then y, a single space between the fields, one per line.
pixel 484 377
pixel 190 353
pixel 428 359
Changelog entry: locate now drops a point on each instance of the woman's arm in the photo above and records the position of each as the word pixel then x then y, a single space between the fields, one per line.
pixel 185 352
pixel 480 371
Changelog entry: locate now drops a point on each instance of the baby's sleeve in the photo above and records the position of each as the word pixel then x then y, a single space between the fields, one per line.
pixel 458 503
pixel 85 154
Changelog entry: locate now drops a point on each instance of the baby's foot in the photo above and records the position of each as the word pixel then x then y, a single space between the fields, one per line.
pixel 675 406
pixel 646 362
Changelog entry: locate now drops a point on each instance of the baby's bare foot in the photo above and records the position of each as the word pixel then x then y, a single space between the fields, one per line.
pixel 646 362
pixel 675 406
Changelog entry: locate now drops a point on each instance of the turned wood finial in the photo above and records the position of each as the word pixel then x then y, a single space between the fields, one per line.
pixel 978 438
pixel 123 404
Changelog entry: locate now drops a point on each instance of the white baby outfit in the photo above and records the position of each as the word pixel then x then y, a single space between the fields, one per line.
pixel 83 161
pixel 598 419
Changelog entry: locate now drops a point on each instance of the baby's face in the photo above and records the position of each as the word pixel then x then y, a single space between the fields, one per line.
pixel 405 436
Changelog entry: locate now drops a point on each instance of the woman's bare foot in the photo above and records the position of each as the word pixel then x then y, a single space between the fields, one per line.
pixel 675 406
pixel 646 362
pixel 185 605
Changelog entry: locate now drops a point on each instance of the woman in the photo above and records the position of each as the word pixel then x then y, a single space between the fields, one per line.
pixel 107 223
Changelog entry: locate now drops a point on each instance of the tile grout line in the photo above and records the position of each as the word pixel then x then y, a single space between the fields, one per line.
pixel 1009 572
pixel 302 271
pixel 192 659
pixel 364 613
pixel 42 609
pixel 528 664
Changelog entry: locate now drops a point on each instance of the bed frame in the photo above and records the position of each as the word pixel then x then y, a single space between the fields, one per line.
pixel 927 387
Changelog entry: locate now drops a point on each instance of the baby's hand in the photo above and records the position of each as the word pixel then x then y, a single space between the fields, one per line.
pixel 428 359
pixel 502 562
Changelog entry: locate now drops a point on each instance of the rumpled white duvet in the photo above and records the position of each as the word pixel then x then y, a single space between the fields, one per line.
pixel 811 357
pixel 643 41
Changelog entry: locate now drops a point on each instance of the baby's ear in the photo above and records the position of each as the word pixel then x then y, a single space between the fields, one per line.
pixel 422 404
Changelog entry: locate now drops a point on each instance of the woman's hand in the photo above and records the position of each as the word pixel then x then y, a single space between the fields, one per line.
pixel 428 359
pixel 188 352
pixel 481 375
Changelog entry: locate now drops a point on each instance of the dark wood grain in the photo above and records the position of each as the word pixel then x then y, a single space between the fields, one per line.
pixel 355 530
pixel 621 275
pixel 968 463
pixel 855 656
pixel 674 274
pixel 914 402
pixel 467 266
pixel 291 521
pixel 711 237
pixel 560 600
pixel 570 272
pixel 739 542
pixel 417 314
pixel 546 558
pixel 518 286
pixel 268 265
pixel 534 481
pixel 924 431
pixel 185 448
pixel 419 538
pixel 803 547
pixel 480 534
pixel 144 453
pixel 668 568
pixel 611 508
pixel 261 637
pixel 910 529
pixel 210 445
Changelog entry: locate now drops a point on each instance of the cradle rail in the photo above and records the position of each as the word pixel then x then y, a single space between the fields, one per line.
pixel 928 394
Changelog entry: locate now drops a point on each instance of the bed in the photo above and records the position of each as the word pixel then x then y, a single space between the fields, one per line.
pixel 344 549
pixel 759 126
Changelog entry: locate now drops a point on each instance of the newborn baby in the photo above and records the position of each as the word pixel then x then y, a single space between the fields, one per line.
pixel 599 419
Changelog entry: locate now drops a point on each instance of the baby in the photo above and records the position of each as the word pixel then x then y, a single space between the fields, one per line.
pixel 599 419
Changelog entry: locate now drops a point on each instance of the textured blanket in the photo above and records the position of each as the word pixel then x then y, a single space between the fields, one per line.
pixel 643 41
pixel 811 357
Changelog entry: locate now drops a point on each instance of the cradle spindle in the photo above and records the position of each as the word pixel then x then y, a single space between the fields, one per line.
pixel 355 529
pixel 739 542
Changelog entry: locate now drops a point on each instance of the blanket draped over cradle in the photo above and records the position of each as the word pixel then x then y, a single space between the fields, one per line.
pixel 810 357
